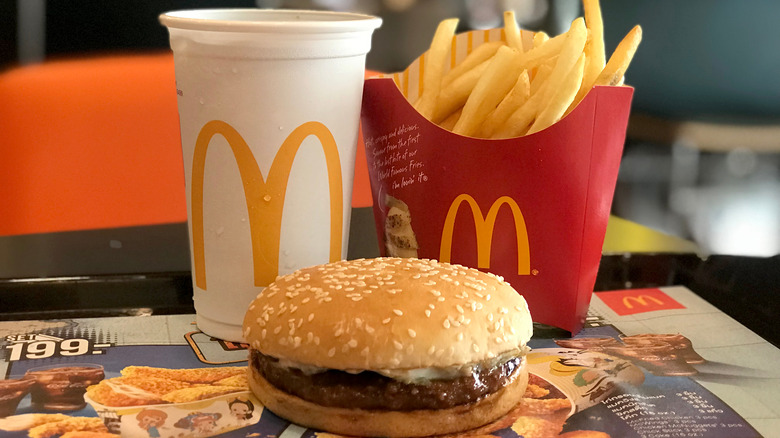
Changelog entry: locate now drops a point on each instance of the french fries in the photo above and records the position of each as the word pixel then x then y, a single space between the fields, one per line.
pixel 437 56
pixel 523 83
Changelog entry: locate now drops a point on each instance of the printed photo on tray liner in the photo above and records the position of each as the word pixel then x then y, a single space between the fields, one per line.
pixel 587 386
pixel 532 209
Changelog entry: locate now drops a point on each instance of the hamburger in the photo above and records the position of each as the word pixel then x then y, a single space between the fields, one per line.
pixel 391 347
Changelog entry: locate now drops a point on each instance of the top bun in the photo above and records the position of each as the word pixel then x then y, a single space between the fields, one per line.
pixel 387 313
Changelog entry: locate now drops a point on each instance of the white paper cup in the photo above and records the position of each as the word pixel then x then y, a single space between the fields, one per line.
pixel 274 97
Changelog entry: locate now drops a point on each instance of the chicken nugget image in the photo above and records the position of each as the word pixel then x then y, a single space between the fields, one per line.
pixel 70 424
pixel 20 422
pixel 133 391
pixel 190 375
pixel 200 393
pixel 240 380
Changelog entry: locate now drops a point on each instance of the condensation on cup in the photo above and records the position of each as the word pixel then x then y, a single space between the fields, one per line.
pixel 269 104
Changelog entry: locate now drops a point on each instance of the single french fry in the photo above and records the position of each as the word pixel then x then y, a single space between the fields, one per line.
pixel 450 121
pixel 511 102
pixel 574 42
pixel 455 94
pixel 434 66
pixel 546 50
pixel 491 88
pixel 594 49
pixel 561 99
pixel 482 53
pixel 512 31
pixel 621 58
pixel 542 72
pixel 540 38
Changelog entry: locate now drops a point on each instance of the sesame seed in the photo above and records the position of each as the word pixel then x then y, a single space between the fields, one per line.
pixel 440 299
pixel 398 312
pixel 311 316
pixel 370 330
pixel 386 320
pixel 364 352
pixel 412 333
pixel 263 333
pixel 460 336
pixel 332 352
pixel 398 346
pixel 490 317
pixel 428 313
pixel 446 323
pixel 431 350
pixel 475 347
pixel 296 342
pixel 459 307
pixel 277 329
pixel 352 343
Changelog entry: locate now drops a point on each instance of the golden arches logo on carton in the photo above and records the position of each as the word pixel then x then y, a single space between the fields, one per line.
pixel 264 197
pixel 484 228
pixel 641 300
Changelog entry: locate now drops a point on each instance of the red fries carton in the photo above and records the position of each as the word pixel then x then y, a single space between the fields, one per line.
pixel 532 209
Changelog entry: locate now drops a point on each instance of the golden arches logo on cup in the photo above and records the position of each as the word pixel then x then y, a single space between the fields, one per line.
pixel 485 226
pixel 264 196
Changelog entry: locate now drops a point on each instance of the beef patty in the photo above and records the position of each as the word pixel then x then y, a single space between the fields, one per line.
pixel 370 390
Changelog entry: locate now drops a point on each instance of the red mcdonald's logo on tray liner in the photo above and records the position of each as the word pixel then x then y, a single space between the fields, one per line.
pixel 632 301
pixel 264 198
pixel 485 226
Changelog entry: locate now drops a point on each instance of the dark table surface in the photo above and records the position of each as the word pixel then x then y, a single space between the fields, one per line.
pixel 145 270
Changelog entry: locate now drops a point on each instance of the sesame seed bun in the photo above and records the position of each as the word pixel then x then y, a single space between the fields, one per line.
pixel 387 313
pixel 449 339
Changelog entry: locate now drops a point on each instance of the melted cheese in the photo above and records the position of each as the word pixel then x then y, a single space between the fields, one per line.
pixel 418 376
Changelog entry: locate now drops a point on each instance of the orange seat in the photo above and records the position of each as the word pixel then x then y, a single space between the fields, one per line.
pixel 94 143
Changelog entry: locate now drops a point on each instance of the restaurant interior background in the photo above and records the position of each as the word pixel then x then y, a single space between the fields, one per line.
pixel 702 157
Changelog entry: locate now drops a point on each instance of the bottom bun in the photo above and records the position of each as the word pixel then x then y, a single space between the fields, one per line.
pixel 361 422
